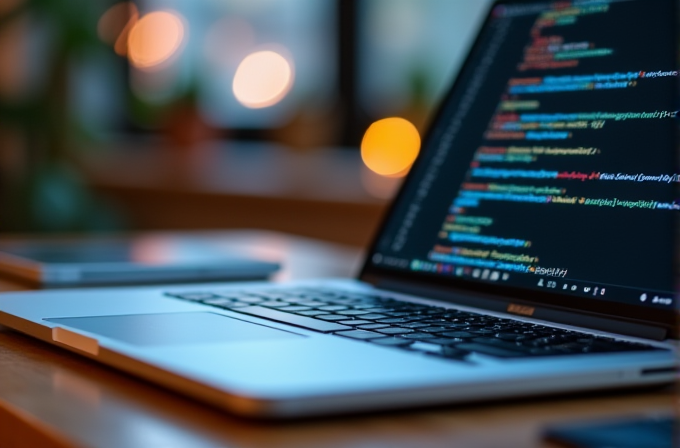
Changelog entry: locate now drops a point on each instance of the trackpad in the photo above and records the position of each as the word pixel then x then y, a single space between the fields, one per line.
pixel 174 328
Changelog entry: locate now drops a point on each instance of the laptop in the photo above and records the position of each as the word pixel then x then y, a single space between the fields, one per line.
pixel 61 262
pixel 528 252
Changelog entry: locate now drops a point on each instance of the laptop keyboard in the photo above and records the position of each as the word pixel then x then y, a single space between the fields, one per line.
pixel 390 322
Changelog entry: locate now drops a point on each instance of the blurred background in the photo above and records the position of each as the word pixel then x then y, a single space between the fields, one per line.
pixel 215 114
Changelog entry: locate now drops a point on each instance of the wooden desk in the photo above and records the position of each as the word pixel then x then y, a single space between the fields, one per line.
pixel 53 398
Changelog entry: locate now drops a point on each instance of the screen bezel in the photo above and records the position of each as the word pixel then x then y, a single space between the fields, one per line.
pixel 512 294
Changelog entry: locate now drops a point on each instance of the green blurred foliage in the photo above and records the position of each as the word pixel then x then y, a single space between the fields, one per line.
pixel 49 194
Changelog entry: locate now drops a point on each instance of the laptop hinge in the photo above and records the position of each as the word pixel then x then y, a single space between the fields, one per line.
pixel 517 307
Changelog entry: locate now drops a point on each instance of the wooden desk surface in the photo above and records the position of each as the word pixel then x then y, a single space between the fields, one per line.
pixel 53 398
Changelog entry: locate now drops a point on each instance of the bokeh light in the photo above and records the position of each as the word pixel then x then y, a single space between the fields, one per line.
pixel 262 79
pixel 155 38
pixel 390 146
pixel 115 24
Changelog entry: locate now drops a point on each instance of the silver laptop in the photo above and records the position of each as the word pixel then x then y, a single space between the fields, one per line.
pixel 529 251
pixel 138 259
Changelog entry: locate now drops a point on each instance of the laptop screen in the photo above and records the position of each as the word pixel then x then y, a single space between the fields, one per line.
pixel 550 165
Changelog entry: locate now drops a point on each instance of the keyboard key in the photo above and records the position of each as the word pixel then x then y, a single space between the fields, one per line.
pixel 571 347
pixel 377 310
pixel 232 305
pixel 407 311
pixel 510 336
pixel 392 342
pixel 364 306
pixel 541 342
pixel 393 320
pixel 453 325
pixel 445 341
pixel 457 334
pixel 545 351
pixel 482 332
pixel 295 308
pixel 193 296
pixel 373 326
pixel 429 320
pixel 360 334
pixel 418 336
pixel 342 301
pixel 363 297
pixel 331 317
pixel 495 341
pixel 353 312
pixel 453 353
pixel 273 304
pixel 502 344
pixel 414 325
pixel 490 350
pixel 269 296
pixel 218 302
pixel 393 331
pixel 373 316
pixel 312 313
pixel 293 319
pixel 400 313
pixel 434 329
pixel 354 322
pixel 332 308
pixel 304 302
pixel 248 299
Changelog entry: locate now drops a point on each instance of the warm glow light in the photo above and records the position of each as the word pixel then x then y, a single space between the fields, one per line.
pixel 390 146
pixel 155 38
pixel 262 79
pixel 114 26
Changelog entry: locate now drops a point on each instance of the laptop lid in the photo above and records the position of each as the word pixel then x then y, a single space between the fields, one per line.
pixel 547 177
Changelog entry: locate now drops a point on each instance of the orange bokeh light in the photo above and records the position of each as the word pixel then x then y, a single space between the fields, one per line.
pixel 154 39
pixel 390 146
pixel 262 79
